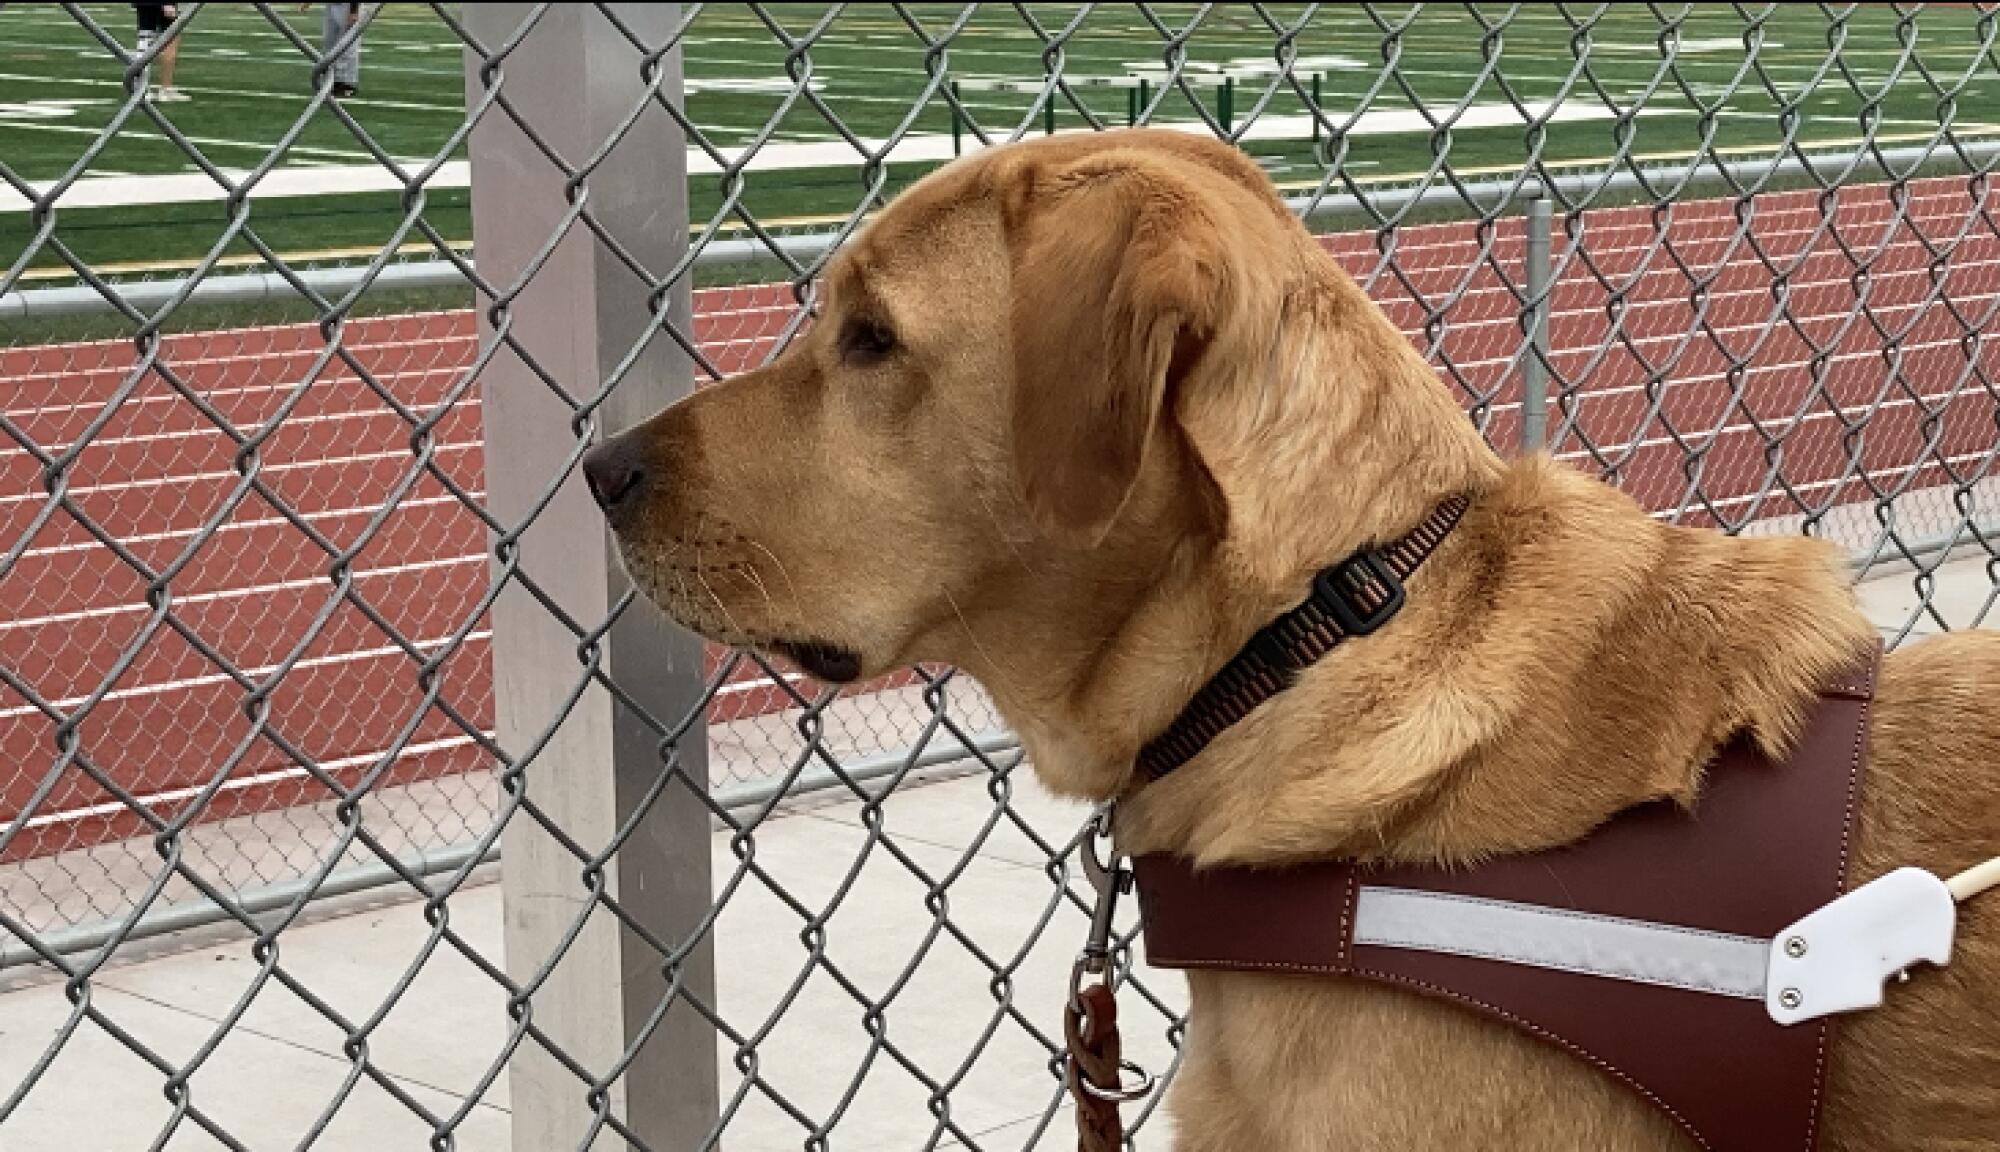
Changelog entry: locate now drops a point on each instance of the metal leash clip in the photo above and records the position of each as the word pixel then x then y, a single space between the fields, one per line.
pixel 1109 878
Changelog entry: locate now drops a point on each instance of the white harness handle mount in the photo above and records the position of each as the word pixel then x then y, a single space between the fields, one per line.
pixel 1834 960
pixel 1838 958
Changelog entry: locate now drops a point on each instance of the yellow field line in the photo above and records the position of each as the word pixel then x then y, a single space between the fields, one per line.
pixel 142 266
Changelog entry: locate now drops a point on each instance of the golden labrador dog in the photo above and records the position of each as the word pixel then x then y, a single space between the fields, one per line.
pixel 1080 415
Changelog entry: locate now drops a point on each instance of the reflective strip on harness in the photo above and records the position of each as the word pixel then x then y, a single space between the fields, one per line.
pixel 1541 937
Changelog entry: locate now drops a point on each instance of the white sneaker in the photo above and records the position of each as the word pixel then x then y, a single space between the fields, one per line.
pixel 170 96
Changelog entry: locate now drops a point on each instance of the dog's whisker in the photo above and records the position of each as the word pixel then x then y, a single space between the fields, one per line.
pixel 749 573
pixel 1005 537
pixel 681 592
pixel 1001 673
pixel 797 605
pixel 720 606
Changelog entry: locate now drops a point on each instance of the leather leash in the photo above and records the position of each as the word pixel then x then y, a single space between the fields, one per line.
pixel 1352 598
pixel 1091 1028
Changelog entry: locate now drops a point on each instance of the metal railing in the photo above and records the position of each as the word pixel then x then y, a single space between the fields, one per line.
pixel 303 599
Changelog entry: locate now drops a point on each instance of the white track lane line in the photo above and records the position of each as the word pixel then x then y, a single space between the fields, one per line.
pixel 236 783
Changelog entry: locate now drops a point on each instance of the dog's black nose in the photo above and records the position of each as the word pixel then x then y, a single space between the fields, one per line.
pixel 614 471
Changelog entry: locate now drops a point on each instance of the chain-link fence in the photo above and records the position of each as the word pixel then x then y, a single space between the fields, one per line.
pixel 304 607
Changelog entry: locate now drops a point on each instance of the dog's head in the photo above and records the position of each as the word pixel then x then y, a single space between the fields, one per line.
pixel 1047 421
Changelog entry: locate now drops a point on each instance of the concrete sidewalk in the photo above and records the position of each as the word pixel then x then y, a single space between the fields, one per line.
pixel 281 1067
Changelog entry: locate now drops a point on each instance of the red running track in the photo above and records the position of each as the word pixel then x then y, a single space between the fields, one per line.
pixel 1879 311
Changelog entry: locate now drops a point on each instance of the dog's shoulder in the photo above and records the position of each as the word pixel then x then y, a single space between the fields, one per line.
pixel 1920 1073
pixel 1934 755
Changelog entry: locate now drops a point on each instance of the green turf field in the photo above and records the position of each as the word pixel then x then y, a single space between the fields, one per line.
pixel 58 87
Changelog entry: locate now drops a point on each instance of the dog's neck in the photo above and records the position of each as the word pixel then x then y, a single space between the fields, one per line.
pixel 1562 657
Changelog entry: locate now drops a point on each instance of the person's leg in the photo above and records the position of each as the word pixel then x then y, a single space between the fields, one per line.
pixel 154 19
pixel 350 64
pixel 347 66
pixel 329 29
pixel 329 32
pixel 349 69
pixel 166 65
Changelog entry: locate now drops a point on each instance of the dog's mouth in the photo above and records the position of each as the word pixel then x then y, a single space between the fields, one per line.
pixel 668 589
pixel 822 660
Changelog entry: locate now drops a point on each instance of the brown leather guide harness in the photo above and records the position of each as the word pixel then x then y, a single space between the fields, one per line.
pixel 1766 844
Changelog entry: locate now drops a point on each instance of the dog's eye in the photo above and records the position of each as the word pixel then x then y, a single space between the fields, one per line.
pixel 865 341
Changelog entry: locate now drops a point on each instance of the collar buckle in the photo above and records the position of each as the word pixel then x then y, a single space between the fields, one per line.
pixel 1336 590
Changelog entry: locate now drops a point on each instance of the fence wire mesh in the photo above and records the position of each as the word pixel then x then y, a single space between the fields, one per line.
pixel 1742 260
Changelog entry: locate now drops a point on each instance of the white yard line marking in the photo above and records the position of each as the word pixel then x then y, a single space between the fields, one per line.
pixel 924 148
pixel 304 150
pixel 298 96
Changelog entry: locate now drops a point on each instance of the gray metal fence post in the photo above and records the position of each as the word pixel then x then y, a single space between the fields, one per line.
pixel 577 79
pixel 1534 366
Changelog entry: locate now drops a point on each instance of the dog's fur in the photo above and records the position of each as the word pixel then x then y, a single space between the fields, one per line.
pixel 1081 414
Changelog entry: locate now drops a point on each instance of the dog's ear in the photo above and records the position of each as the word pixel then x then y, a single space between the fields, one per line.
pixel 1118 279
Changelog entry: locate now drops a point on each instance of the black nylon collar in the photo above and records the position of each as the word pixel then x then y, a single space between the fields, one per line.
pixel 1352 598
